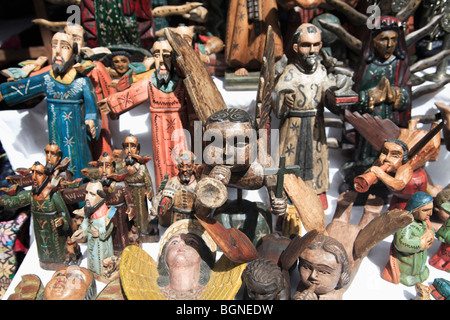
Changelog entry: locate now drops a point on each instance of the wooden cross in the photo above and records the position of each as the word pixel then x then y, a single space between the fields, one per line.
pixel 280 172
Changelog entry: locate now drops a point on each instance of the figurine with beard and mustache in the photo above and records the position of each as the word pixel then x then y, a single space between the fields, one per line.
pixel 169 106
pixel 118 195
pixel 141 186
pixel 178 197
pixel 53 165
pixel 301 93
pixel 51 219
pixel 96 227
pixel 72 114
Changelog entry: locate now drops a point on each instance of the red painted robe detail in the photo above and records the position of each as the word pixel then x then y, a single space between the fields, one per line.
pixel 169 112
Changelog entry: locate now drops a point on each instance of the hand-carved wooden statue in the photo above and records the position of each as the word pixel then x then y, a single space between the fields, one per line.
pixel 408 254
pixel 53 165
pixel 301 93
pixel 97 228
pixel 178 197
pixel 382 83
pixel 168 106
pixel 441 259
pixel 51 219
pixel 403 154
pixel 119 196
pixel 139 182
pixel 237 157
pixel 247 23
pixel 73 117
pixel 186 268
pixel 330 262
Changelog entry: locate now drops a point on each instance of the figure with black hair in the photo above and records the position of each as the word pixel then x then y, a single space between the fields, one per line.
pixel 382 83
pixel 96 227
pixel 73 117
pixel 117 195
pixel 169 106
pixel 51 219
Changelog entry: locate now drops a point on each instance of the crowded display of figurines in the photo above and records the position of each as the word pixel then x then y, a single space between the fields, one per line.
pixel 168 212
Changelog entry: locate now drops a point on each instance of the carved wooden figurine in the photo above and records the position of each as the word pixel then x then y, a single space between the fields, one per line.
pixel 51 219
pixel 119 196
pixel 178 197
pixel 247 23
pixel 73 117
pixel 96 227
pixel 441 259
pixel 409 250
pixel 331 260
pixel 168 106
pixel 404 152
pixel 238 164
pixel 383 83
pixel 186 268
pixel 140 183
pixel 301 96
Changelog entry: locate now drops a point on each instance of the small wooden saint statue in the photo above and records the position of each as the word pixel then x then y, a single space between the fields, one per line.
pixel 51 219
pixel 168 106
pixel 441 259
pixel 409 250
pixel 303 89
pixel 119 196
pixel 178 197
pixel 73 117
pixel 96 227
pixel 139 182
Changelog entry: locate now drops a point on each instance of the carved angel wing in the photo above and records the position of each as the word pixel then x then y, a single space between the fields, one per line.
pixel 138 275
pixel 205 97
pixel 225 280
pixel 266 83
pixel 374 129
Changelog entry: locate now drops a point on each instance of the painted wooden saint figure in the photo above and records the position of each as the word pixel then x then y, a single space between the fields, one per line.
pixel 96 227
pixel 73 117
pixel 51 220
pixel 178 197
pixel 168 106
pixel 301 98
pixel 383 81
pixel 409 250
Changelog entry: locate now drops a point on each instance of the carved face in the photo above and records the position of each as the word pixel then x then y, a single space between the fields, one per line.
pixel 68 283
pixel 183 251
pixel 384 44
pixel 62 48
pixel 77 33
pixel 232 145
pixel 320 268
pixel 105 168
pixel 423 213
pixel 162 52
pixel 52 155
pixel 391 154
pixel 308 46
pixel 120 64
pixel 92 197
pixel 38 177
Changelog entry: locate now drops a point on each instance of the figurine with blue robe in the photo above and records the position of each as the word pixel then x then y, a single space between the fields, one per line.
pixel 96 227
pixel 73 117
